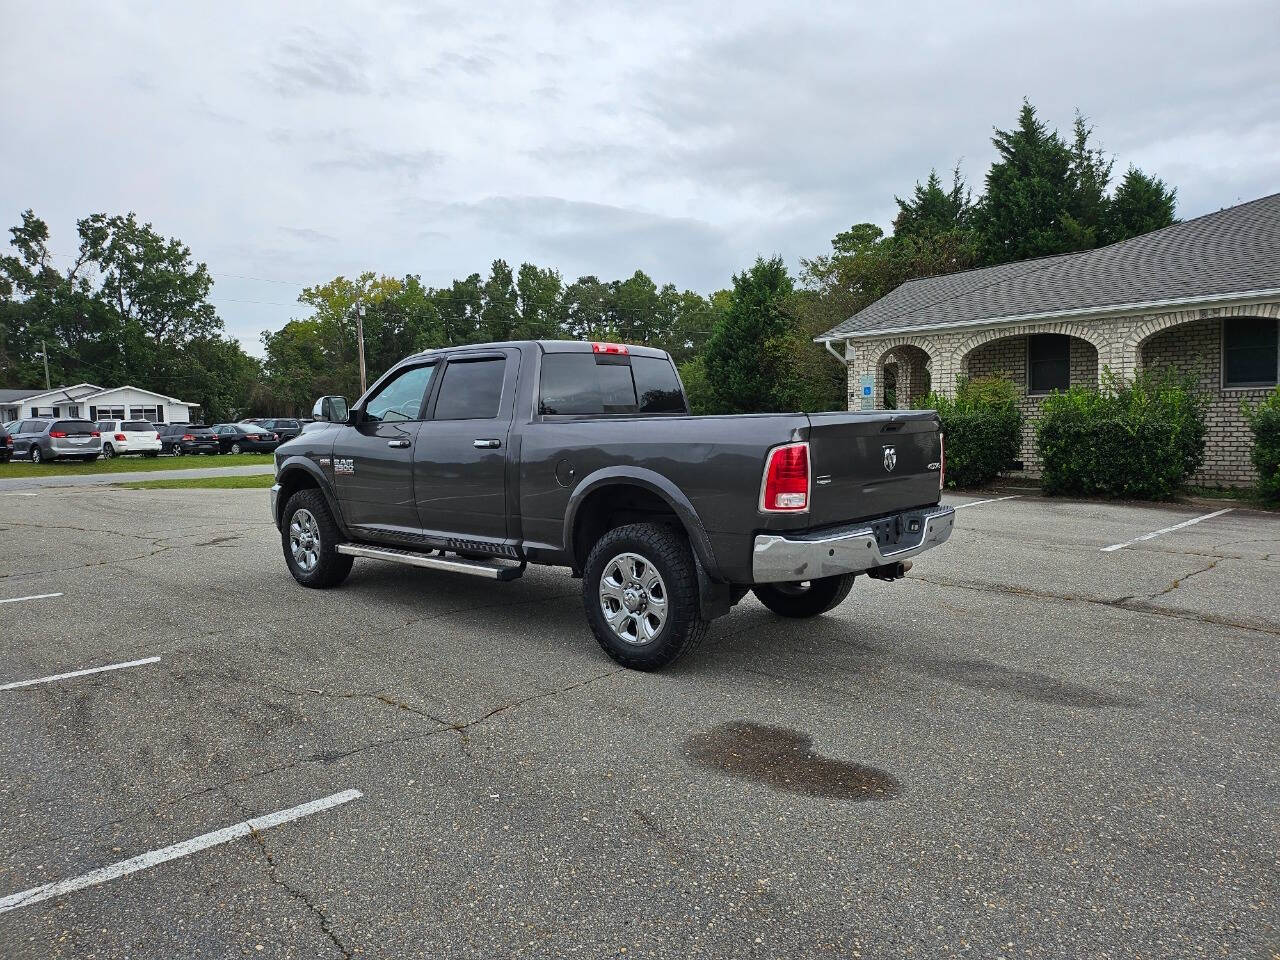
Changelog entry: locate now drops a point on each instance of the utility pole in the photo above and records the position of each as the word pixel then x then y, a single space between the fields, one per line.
pixel 360 343
pixel 45 353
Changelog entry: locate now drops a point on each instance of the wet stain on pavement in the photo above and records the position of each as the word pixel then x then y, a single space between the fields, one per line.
pixel 784 759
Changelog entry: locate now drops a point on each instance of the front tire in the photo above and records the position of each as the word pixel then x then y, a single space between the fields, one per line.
pixel 640 591
pixel 310 539
pixel 804 599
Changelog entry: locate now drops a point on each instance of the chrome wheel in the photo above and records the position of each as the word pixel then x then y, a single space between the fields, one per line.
pixel 304 540
pixel 633 598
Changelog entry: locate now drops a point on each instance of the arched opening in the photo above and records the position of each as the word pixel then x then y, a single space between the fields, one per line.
pixel 1230 361
pixel 903 375
pixel 1038 364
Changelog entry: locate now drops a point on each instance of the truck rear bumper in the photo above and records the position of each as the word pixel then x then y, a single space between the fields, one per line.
pixel 779 558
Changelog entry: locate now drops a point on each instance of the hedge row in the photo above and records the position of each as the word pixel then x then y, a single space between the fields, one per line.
pixel 982 426
pixel 1138 440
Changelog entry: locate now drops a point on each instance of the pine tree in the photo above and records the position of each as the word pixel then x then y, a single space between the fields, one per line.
pixel 1141 204
pixel 931 210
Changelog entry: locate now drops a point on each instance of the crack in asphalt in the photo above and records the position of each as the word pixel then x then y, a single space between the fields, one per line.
pixel 1130 603
pixel 1181 580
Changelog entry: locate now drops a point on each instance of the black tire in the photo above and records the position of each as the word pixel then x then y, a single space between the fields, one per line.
pixel 108 451
pixel 36 455
pixel 331 567
pixel 793 600
pixel 235 448
pixel 669 554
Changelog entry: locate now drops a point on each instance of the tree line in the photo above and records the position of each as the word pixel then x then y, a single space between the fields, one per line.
pixel 132 307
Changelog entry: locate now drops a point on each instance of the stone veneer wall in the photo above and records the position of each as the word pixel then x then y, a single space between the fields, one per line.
pixel 1188 339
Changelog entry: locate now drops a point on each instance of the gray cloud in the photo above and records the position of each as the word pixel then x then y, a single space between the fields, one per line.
pixel 595 138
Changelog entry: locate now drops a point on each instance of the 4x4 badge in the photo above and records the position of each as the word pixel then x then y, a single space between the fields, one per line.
pixel 890 458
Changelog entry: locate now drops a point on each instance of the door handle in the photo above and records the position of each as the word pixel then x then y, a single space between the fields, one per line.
pixel 486 444
pixel 398 443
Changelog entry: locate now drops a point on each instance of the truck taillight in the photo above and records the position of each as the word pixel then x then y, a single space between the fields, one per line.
pixel 942 461
pixel 619 348
pixel 786 479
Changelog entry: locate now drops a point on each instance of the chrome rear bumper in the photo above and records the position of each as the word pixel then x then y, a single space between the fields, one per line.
pixel 779 557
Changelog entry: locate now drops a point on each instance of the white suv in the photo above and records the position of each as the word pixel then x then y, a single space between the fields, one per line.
pixel 129 436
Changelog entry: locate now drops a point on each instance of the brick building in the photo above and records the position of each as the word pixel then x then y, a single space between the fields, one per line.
pixel 1201 296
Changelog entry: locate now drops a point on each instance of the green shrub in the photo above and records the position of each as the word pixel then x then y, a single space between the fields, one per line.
pixel 1139 440
pixel 982 426
pixel 1265 421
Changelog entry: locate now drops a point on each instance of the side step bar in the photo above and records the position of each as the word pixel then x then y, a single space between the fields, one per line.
pixel 476 568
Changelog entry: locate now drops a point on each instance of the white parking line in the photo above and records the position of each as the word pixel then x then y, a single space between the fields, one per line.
pixel 978 503
pixel 1156 533
pixel 34 596
pixel 156 857
pixel 78 673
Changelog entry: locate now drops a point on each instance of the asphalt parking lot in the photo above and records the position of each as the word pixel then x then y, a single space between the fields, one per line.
pixel 1033 746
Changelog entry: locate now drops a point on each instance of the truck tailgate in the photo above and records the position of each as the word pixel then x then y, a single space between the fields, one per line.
pixel 870 464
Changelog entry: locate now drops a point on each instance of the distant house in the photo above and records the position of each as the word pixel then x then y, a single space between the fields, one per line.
pixel 91 402
pixel 1201 296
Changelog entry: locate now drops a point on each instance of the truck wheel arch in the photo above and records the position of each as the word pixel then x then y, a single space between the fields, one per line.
pixel 300 473
pixel 616 495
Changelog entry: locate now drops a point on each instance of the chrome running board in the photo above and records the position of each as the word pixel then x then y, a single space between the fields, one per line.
pixel 496 570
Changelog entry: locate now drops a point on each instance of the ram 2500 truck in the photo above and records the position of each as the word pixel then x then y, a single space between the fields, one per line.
pixel 482 459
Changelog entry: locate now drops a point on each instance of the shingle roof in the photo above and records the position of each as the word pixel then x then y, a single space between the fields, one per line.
pixel 13 396
pixel 1233 251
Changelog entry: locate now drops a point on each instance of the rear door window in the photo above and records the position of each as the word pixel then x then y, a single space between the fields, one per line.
pixel 471 389
pixel 574 384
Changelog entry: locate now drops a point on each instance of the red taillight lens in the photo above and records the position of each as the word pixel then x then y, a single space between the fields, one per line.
pixel 187 436
pixel 94 433
pixel 619 348
pixel 786 479
pixel 942 461
pixel 120 436
pixel 57 435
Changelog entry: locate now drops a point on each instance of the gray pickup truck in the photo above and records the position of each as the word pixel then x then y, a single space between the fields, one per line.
pixel 482 459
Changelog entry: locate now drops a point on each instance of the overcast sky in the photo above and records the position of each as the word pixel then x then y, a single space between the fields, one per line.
pixel 289 143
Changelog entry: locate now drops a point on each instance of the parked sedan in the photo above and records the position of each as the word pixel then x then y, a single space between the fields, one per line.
pixel 121 437
pixel 43 440
pixel 180 438
pixel 245 438
pixel 286 428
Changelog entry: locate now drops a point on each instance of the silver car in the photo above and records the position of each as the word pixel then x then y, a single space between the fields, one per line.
pixel 43 440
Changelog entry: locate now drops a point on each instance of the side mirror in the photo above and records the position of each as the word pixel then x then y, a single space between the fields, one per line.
pixel 332 409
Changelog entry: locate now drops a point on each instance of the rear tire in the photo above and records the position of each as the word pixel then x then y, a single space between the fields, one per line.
pixel 310 539
pixel 36 455
pixel 653 566
pixel 793 600
pixel 108 451
pixel 235 448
